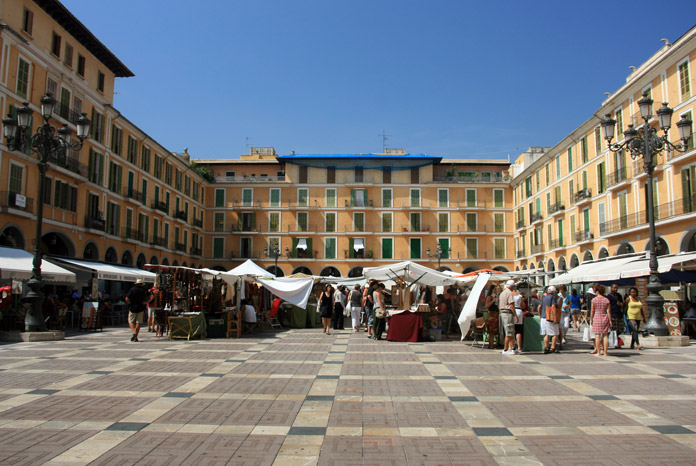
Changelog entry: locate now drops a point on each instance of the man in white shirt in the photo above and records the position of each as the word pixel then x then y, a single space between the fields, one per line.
pixel 339 305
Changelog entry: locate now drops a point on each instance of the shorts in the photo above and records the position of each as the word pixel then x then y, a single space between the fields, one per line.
pixel 576 311
pixel 519 329
pixel 549 328
pixel 135 317
pixel 508 322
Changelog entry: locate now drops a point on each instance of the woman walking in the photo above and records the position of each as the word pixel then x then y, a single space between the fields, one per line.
pixel 635 314
pixel 379 311
pixel 600 316
pixel 355 303
pixel 326 308
pixel 575 312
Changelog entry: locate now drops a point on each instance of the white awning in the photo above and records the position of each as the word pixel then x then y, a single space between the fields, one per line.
pixel 302 243
pixel 641 268
pixel 358 244
pixel 596 271
pixel 111 271
pixel 17 264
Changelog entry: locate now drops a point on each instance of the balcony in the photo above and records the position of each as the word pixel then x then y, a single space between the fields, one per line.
pixel 360 203
pixel 133 194
pixel 249 179
pixel 245 228
pixel 415 228
pixel 133 234
pixel 179 247
pixel 471 179
pixel 556 243
pixel 520 254
pixel 16 201
pixel 583 196
pixel 197 222
pixel 519 225
pixel 161 206
pixel 583 235
pixel 64 111
pixel 95 223
pixel 196 251
pixel 537 249
pixel 159 241
pixel 618 178
pixel 535 217
pixel 556 209
pixel 69 163
pixel 181 215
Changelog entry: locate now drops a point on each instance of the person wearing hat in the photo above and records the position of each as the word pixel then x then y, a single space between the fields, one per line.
pixel 137 298
pixel 550 317
pixel 508 317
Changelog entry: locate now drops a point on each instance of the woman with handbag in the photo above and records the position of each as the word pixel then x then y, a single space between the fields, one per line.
pixel 355 305
pixel 635 314
pixel 326 308
pixel 600 316
pixel 380 311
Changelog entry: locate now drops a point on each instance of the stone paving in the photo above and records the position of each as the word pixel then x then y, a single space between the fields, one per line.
pixel 299 397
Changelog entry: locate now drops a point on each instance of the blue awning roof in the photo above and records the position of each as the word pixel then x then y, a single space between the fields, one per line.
pixel 367 161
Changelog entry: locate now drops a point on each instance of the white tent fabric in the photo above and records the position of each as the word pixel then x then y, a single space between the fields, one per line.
pixel 250 268
pixel 598 270
pixel 293 290
pixel 410 272
pixel 641 268
pixel 469 309
pixel 111 271
pixel 17 264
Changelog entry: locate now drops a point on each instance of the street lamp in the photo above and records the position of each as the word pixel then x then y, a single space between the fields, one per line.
pixel 47 143
pixel 439 254
pixel 275 253
pixel 647 144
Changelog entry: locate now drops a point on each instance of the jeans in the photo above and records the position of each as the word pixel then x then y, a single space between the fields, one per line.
pixel 634 325
pixel 379 326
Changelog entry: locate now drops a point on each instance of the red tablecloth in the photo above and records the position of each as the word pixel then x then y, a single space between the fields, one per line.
pixel 406 326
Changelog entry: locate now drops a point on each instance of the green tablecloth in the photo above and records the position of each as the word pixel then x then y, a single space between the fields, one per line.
pixel 304 318
pixel 533 341
pixel 190 326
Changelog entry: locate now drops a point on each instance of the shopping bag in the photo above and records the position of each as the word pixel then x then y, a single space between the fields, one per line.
pixel 613 338
pixel 587 334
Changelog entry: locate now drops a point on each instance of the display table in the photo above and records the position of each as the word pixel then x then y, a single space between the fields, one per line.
pixel 188 326
pixel 304 318
pixel 532 338
pixel 405 326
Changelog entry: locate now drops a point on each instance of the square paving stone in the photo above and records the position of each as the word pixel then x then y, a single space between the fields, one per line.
pixel 307 431
pixel 128 426
pixel 492 432
pixel 672 429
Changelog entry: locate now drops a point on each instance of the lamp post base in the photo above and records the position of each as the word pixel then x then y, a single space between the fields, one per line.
pixel 664 342
pixel 50 335
pixel 656 322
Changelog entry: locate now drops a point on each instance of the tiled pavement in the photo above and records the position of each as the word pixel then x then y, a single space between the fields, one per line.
pixel 299 397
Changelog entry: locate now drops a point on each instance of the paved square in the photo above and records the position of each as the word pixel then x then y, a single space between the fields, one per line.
pixel 301 397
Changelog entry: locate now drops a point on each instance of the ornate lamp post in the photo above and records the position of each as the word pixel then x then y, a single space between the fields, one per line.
pixel 646 143
pixel 439 254
pixel 46 143
pixel 275 253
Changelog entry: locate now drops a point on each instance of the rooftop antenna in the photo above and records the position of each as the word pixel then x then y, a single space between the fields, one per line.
pixel 384 137
pixel 246 147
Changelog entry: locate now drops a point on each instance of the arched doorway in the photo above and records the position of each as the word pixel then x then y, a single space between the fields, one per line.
pixel 57 244
pixel 355 272
pixel 175 263
pixel 12 237
pixel 141 261
pixel 688 240
pixel 165 261
pixel 574 261
pixel 625 248
pixel 502 268
pixel 154 260
pixel 302 269
pixel 90 252
pixel 277 271
pixel 562 266
pixel 444 268
pixel 111 256
pixel 127 259
pixel 662 246
pixel 330 271
pixel 603 253
pixel 469 270
pixel 587 256
pixel 183 264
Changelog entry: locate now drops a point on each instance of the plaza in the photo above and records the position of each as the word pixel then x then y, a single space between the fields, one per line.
pixel 299 397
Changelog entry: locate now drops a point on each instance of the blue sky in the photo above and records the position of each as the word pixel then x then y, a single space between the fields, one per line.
pixel 458 79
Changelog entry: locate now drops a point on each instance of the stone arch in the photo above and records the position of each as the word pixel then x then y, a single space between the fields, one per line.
pixel 517 268
pixel 550 266
pixel 165 261
pixel 574 261
pixel 330 271
pixel 524 266
pixel 183 264
pixel 562 265
pixel 587 256
pixel 12 237
pixel 444 268
pixel 625 247
pixel 603 253
pixel 154 260
pixel 219 268
pixel 127 258
pixel 688 240
pixel 141 261
pixel 502 268
pixel 111 256
pixel 355 272
pixel 57 243
pixel 469 270
pixel 662 246
pixel 277 271
pixel 302 269
pixel 90 251
pixel 175 263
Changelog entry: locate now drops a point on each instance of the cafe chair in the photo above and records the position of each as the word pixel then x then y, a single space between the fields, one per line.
pixel 273 322
pixel 478 330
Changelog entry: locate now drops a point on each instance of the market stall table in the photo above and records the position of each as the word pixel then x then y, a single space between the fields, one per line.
pixel 189 325
pixel 405 326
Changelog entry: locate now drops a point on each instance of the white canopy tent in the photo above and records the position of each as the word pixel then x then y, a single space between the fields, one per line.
pixel 410 272
pixel 106 271
pixel 17 264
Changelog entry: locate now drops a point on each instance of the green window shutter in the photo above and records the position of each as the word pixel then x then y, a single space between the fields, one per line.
pixel 351 251
pixel 444 246
pixel 310 251
pixel 499 222
pixel 471 196
pixel 275 197
pixel 144 199
pixel 330 248
pixel 415 248
pixel 218 247
pixel 443 223
pixel 560 232
pixel 365 201
pixel 352 197
pixel 586 219
pixel 498 197
pixel 386 198
pixel 387 248
pixel 253 220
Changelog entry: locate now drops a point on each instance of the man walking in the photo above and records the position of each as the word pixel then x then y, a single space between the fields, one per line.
pixel 616 304
pixel 508 317
pixel 550 317
pixel 137 299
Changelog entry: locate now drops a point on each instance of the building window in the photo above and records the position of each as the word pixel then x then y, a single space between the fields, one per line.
pixel 358 197
pixel 116 139
pixel 100 81
pixel 499 197
pixel 23 78
pixel 387 197
pixel 274 222
pixel 583 149
pixel 387 222
pixel 471 222
pixel 331 197
pixel 443 222
pixel 302 221
pixel 598 141
pixel 247 195
pixel 570 159
pixel 302 197
pixel 330 222
pixel 275 197
pixel 330 248
pixel 219 221
pixel 68 59
pixel 145 161
pixel 303 174
pixel 218 248
pixel 499 222
pixel 386 175
pixel 387 248
pixel 558 167
pixel 415 244
pixel 471 248
pixel 415 198
pixel 359 175
pixel 115 174
pixel 471 196
pixel 97 126
pixel 443 198
pixel 331 175
pixel 55 45
pixel 499 248
pixel 415 219
pixel 358 221
pixel 28 21
pixel 133 155
pixel 684 80
pixel 415 175
pixel 618 116
pixel 219 197
pixel 81 65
